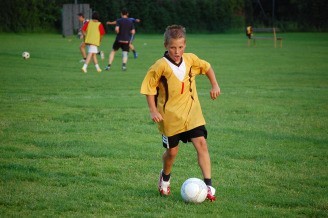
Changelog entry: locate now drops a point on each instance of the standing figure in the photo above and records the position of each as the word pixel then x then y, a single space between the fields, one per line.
pixel 93 32
pixel 131 46
pixel 80 35
pixel 173 103
pixel 124 30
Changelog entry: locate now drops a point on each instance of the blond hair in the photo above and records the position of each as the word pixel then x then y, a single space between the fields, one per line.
pixel 174 32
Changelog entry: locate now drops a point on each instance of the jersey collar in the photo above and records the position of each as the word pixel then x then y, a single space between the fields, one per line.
pixel 166 55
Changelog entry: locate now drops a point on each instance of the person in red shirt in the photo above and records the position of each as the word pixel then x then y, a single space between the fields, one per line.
pixel 80 35
pixel 93 32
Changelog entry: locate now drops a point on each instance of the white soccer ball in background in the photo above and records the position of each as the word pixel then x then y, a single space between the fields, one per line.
pixel 26 55
pixel 194 190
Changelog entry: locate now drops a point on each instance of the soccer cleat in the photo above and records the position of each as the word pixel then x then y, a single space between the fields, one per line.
pixel 82 61
pixel 84 70
pixel 135 55
pixel 210 193
pixel 107 68
pixel 163 186
pixel 98 70
pixel 124 68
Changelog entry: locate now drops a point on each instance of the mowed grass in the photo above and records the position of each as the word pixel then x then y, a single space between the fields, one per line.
pixel 75 144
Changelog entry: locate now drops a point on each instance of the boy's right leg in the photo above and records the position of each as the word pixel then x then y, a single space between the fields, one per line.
pixel 124 59
pixel 164 179
pixel 168 159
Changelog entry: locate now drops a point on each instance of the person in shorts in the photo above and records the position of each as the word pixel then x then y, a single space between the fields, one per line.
pixel 80 35
pixel 93 32
pixel 170 90
pixel 132 48
pixel 124 30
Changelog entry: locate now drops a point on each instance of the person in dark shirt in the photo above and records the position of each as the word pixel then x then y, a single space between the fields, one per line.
pixel 132 48
pixel 124 30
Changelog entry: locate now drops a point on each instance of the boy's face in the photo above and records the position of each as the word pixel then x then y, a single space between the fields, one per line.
pixel 176 48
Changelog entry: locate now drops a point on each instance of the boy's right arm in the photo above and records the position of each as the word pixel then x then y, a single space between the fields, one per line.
pixel 154 114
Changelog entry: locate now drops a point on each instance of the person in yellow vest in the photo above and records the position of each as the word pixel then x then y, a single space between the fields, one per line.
pixel 93 32
pixel 171 94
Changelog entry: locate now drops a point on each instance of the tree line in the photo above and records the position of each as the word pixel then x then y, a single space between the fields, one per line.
pixel 198 16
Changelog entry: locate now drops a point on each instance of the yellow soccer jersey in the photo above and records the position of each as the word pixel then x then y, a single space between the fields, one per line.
pixel 175 87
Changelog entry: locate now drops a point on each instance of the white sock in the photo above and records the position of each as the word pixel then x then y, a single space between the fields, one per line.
pixel 97 66
pixel 85 66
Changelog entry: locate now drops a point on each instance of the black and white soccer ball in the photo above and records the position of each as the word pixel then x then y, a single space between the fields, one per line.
pixel 26 55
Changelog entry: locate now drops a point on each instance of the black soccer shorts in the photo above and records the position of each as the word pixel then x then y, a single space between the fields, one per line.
pixel 173 141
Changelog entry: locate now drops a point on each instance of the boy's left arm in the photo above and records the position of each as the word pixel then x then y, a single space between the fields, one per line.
pixel 215 91
pixel 102 31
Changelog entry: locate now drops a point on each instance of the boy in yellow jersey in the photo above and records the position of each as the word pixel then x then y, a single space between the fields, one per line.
pixel 171 94
pixel 93 32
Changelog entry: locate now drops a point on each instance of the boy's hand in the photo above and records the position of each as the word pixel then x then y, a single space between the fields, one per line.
pixel 156 117
pixel 215 92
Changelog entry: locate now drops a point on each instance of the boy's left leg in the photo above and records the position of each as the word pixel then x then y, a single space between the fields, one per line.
pixel 204 162
pixel 95 61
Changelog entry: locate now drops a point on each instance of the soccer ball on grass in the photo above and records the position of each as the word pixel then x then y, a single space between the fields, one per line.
pixel 194 190
pixel 26 55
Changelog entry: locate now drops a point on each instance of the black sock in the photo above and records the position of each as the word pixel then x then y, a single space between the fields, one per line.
pixel 166 177
pixel 208 181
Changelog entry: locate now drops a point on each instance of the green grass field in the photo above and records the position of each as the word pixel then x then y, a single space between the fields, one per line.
pixel 83 145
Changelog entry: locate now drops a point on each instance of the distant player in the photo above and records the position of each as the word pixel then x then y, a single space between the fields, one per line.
pixel 82 45
pixel 93 32
pixel 170 90
pixel 124 30
pixel 131 46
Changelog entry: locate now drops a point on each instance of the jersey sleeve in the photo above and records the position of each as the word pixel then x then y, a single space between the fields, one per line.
pixel 152 78
pixel 85 26
pixel 102 29
pixel 199 66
